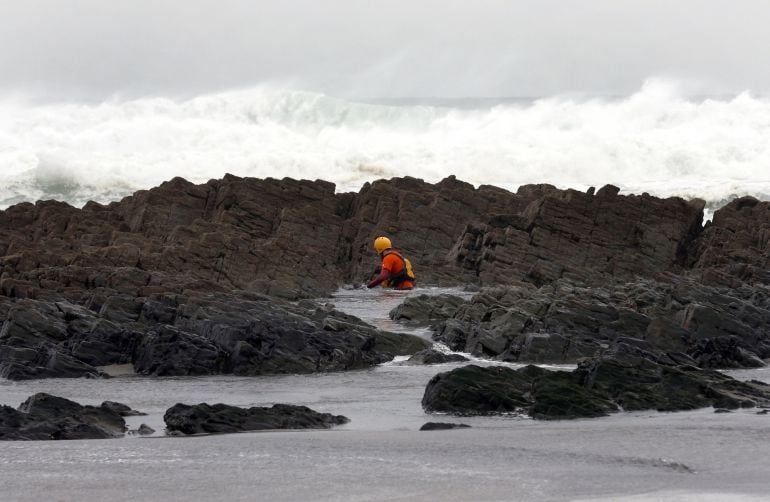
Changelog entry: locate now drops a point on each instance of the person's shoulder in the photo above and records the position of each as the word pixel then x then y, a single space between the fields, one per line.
pixel 390 258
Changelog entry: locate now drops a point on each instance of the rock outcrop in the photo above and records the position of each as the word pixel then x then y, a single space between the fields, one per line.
pixel 46 417
pixel 563 322
pixel 143 430
pixel 299 239
pixel 442 426
pixel 183 279
pixel 598 386
pixel 279 237
pixel 735 246
pixel 176 335
pixel 426 309
pixel 433 356
pixel 573 234
pixel 221 418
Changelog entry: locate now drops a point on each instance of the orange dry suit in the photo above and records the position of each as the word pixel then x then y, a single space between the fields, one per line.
pixel 396 271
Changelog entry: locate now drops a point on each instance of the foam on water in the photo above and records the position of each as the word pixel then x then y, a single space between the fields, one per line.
pixel 654 140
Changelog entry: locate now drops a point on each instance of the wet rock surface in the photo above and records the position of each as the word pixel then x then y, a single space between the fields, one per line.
pixel 142 430
pixel 562 322
pixel 300 239
pixel 122 409
pixel 187 279
pixel 735 246
pixel 598 386
pixel 46 417
pixel 433 356
pixel 221 418
pixel 284 238
pixel 196 334
pixel 575 234
pixel 442 426
pixel 425 309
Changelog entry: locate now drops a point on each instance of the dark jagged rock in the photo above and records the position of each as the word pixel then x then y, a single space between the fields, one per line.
pixel 221 418
pixel 724 352
pixel 442 426
pixel 300 239
pixel 563 322
pixel 735 246
pixel 280 237
pixel 433 356
pixel 176 335
pixel 143 430
pixel 473 390
pixel 424 309
pixel 424 220
pixel 574 234
pixel 122 409
pixel 46 417
pixel 169 351
pixel 597 387
pixel 171 279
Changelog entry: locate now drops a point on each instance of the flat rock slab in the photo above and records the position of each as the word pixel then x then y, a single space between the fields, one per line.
pixel 46 417
pixel 222 418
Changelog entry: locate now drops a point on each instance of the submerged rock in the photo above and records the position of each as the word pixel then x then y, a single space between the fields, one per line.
pixel 122 409
pixel 46 417
pixel 221 418
pixel 598 386
pixel 433 356
pixel 143 430
pixel 442 426
pixel 474 390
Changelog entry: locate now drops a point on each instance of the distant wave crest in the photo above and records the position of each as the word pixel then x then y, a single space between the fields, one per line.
pixel 653 141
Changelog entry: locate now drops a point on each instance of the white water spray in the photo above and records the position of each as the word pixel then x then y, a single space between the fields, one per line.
pixel 654 141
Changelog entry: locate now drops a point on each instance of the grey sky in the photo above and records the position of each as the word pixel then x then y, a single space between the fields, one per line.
pixel 91 49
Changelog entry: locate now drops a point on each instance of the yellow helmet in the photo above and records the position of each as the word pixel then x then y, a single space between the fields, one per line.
pixel 382 243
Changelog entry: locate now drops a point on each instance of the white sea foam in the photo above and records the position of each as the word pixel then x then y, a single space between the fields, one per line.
pixel 654 141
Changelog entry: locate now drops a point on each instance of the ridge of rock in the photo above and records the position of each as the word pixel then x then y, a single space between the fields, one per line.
pixel 183 269
pixel 299 239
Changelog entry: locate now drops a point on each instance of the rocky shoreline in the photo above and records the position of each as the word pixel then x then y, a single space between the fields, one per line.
pixel 44 417
pixel 217 278
pixel 562 322
pixel 198 334
pixel 296 239
pixel 599 386
pixel 47 417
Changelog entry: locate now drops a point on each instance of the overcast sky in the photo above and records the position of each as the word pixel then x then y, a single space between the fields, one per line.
pixel 91 49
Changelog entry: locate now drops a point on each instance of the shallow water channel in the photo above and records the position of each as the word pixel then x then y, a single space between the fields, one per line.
pixel 380 454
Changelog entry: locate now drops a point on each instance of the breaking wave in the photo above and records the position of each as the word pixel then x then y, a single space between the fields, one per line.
pixel 653 141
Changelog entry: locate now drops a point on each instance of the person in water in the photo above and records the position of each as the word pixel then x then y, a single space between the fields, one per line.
pixel 396 271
